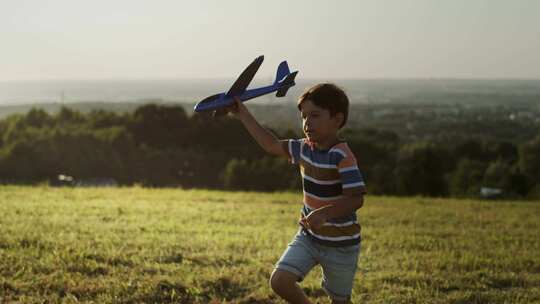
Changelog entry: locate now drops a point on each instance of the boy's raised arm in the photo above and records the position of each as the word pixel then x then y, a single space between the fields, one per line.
pixel 264 138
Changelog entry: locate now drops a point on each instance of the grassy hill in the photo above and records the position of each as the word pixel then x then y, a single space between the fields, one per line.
pixel 134 245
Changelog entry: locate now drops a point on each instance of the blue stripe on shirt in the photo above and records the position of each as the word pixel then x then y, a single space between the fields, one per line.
pixel 353 176
pixel 295 149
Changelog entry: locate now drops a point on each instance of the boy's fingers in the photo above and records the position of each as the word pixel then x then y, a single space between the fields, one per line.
pixel 303 222
pixel 233 107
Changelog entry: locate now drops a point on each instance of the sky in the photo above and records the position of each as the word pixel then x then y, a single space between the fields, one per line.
pixel 135 39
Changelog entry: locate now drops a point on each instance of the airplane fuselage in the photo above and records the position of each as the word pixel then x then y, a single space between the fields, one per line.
pixel 223 100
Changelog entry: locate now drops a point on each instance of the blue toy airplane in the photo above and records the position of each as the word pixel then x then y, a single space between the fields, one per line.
pixel 217 103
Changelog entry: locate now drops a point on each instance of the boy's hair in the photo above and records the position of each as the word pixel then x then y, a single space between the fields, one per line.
pixel 327 96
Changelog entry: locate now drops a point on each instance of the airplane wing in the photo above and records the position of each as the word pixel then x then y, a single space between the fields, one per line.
pixel 240 85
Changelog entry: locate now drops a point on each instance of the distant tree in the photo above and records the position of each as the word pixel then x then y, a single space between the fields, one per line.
pixel 497 175
pixel 160 126
pixel 14 128
pixel 18 163
pixel 534 192
pixel 261 174
pixel 421 169
pixel 529 165
pixel 236 174
pixel 529 158
pixel 500 174
pixel 470 149
pixel 38 118
pixel 467 178
pixel 380 178
pixel 375 151
pixel 506 151
pixel 67 116
pixel 226 134
pixel 519 183
pixel 98 119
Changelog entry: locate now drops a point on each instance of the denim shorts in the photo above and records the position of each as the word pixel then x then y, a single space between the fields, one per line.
pixel 338 264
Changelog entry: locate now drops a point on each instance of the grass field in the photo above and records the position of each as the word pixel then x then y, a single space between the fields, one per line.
pixel 134 245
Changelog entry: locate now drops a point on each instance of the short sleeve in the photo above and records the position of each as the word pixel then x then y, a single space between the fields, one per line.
pixel 293 148
pixel 351 178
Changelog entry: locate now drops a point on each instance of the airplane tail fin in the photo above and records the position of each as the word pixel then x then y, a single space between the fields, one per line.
pixel 282 72
pixel 286 83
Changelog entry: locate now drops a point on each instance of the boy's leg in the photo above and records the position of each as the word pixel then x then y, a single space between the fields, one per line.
pixel 295 263
pixel 284 284
pixel 339 267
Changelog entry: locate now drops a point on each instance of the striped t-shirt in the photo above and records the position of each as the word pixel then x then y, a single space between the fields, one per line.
pixel 328 176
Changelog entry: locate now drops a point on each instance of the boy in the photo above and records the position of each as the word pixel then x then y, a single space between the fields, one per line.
pixel 333 191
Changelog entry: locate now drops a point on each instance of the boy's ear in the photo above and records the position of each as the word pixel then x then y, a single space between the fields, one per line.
pixel 339 119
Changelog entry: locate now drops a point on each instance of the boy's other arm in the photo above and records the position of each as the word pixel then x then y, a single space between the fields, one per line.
pixel 264 138
pixel 345 206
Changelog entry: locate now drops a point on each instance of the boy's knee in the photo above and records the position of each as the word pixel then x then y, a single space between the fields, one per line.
pixel 280 280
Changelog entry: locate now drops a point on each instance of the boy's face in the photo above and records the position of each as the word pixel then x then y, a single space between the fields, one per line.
pixel 319 126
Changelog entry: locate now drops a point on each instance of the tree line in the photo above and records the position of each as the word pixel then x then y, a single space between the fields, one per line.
pixel 162 146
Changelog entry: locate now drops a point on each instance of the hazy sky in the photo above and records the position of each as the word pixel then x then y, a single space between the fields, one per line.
pixel 98 39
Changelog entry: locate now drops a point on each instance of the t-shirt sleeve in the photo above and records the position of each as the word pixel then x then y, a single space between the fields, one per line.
pixel 351 178
pixel 293 148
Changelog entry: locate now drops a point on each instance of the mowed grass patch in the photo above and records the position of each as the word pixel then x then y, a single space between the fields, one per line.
pixel 135 245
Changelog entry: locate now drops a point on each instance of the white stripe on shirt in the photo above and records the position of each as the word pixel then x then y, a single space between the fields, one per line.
pixel 336 238
pixel 309 161
pixel 320 182
pixel 352 185
pixel 337 150
pixel 347 169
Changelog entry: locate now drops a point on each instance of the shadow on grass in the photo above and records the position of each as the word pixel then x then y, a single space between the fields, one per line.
pixel 201 260
pixel 314 292
pixel 167 292
pixel 208 292
pixel 112 261
pixel 224 288
pixel 88 270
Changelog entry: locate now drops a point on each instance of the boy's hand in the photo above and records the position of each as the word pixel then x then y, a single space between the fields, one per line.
pixel 237 108
pixel 314 220
pixel 302 221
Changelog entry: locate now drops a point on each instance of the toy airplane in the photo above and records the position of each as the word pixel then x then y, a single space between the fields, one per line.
pixel 217 103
